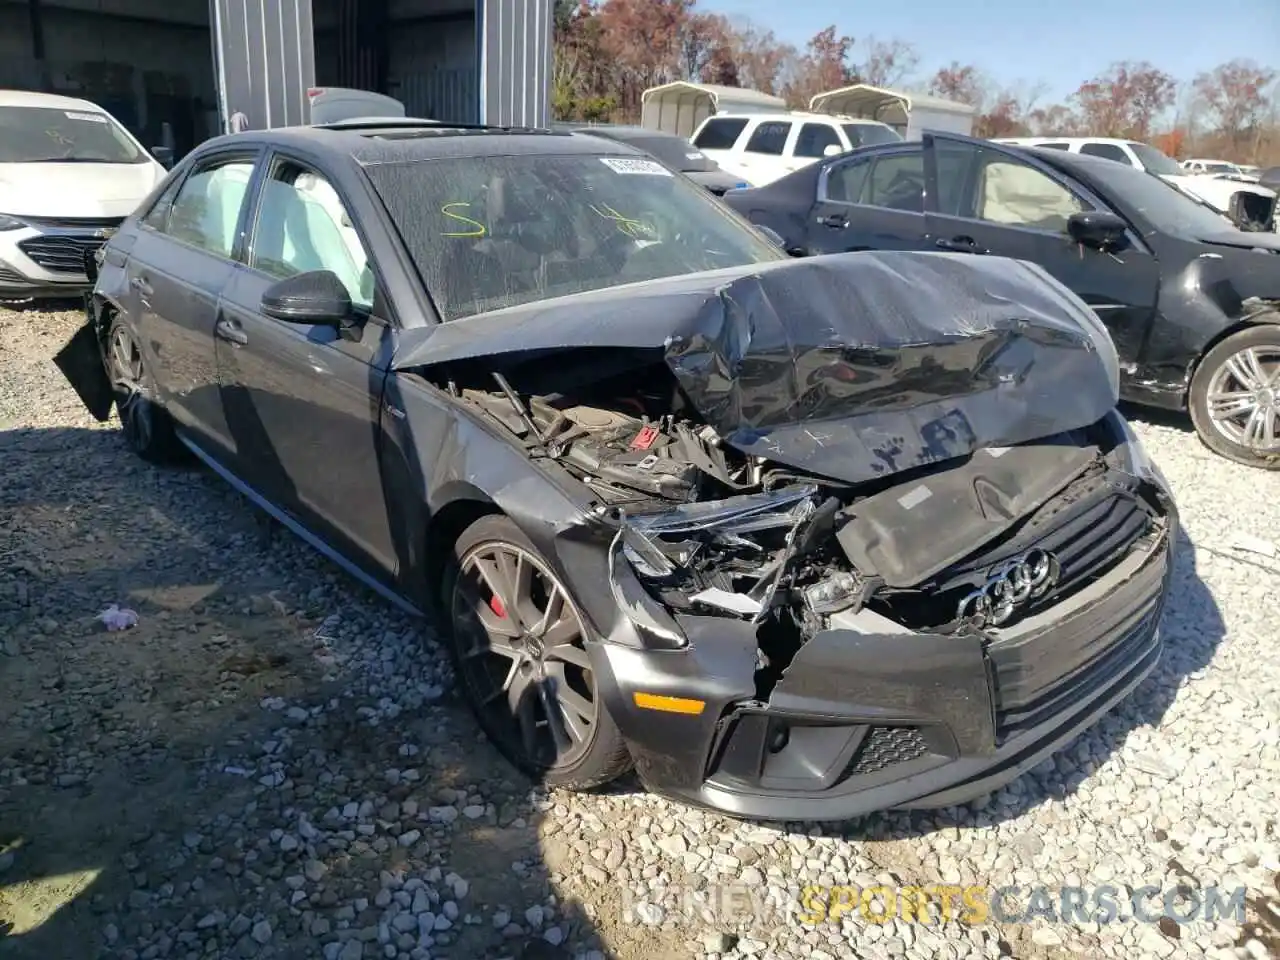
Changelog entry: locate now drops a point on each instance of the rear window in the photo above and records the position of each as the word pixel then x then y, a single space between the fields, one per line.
pixel 493 232
pixel 769 138
pixel 1059 145
pixel 866 134
pixel 720 134
pixel 676 153
pixel 48 135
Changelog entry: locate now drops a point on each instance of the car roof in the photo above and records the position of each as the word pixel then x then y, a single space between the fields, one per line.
pixel 792 115
pixel 620 131
pixel 27 98
pixel 375 141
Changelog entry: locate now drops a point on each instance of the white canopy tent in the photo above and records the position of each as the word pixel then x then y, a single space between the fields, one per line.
pixel 908 113
pixel 681 106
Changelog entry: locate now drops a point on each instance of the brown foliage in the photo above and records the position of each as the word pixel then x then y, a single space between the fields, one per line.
pixel 608 51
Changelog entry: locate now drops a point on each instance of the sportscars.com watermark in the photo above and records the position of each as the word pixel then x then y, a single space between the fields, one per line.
pixel 935 903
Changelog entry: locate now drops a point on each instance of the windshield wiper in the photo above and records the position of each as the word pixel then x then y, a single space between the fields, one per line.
pixel 67 160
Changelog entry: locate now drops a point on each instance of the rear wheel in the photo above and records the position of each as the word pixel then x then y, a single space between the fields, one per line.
pixel 519 648
pixel 1235 397
pixel 147 428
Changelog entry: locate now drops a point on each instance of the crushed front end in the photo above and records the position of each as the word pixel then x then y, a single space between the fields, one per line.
pixel 917 645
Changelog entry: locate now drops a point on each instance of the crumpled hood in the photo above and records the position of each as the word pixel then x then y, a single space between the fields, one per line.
pixel 76 189
pixel 852 366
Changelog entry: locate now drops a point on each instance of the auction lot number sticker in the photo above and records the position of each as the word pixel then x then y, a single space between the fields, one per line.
pixel 635 166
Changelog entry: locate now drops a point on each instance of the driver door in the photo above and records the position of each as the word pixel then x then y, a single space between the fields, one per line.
pixel 985 199
pixel 303 402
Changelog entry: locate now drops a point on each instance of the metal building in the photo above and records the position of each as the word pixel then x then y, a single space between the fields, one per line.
pixel 183 68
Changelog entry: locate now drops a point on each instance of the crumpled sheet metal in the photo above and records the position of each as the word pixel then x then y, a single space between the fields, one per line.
pixel 851 366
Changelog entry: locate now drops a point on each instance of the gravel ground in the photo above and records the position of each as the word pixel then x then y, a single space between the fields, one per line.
pixel 273 763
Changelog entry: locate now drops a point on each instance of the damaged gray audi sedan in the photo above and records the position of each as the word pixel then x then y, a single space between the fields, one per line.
pixel 797 539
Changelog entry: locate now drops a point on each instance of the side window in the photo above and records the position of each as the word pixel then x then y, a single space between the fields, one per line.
pixel 1057 145
pixel 157 218
pixel 1017 195
pixel 769 138
pixel 1108 150
pixel 303 226
pixel 815 138
pixel 846 180
pixel 897 182
pixel 720 133
pixel 955 163
pixel 207 208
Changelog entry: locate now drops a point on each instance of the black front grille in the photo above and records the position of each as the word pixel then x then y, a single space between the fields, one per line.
pixel 60 254
pixel 74 223
pixel 885 746
pixel 1039 673
pixel 10 275
pixel 1090 530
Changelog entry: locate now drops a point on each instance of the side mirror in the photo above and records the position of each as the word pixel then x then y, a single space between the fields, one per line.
pixel 832 150
pixel 163 155
pixel 1099 229
pixel 317 298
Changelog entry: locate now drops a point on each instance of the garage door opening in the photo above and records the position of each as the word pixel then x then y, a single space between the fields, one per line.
pixel 148 62
pixel 422 52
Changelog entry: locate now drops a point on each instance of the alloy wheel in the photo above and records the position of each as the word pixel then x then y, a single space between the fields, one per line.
pixel 1243 398
pixel 521 654
pixel 126 372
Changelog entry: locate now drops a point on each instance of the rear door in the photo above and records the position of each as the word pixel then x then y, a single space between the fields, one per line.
pixel 763 157
pixel 303 402
pixel 178 266
pixel 870 201
pixel 986 199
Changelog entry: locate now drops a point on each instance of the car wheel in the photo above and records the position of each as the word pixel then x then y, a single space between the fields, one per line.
pixel 1235 397
pixel 147 428
pixel 519 649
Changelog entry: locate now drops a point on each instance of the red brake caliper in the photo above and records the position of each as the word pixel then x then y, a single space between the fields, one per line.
pixel 495 604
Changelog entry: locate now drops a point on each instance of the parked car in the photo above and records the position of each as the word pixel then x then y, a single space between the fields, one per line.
pixel 1127 243
pixel 69 174
pixel 676 152
pixel 1253 207
pixel 761 147
pixel 575 405
pixel 1211 166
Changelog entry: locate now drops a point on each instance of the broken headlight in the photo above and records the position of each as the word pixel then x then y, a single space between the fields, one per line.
pixel 725 555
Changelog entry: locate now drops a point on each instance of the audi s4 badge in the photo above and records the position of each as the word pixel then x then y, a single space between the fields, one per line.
pixel 1010 585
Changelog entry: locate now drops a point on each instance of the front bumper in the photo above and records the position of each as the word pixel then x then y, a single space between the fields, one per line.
pixel 38 262
pixel 870 719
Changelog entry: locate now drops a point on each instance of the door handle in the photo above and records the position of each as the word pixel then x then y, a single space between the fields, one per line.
pixel 230 331
pixel 961 244
pixel 837 221
pixel 141 285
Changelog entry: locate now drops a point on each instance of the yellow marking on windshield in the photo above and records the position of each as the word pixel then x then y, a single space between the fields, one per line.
pixel 635 229
pixel 478 229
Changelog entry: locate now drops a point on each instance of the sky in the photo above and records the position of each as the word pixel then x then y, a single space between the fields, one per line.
pixel 1058 42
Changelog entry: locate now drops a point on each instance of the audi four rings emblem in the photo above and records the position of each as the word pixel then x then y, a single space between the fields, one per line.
pixel 1009 585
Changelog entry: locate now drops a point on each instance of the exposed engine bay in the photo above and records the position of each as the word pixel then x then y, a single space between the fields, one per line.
pixel 712 531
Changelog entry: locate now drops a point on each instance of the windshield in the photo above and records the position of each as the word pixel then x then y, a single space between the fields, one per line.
pixel 1162 204
pixel 1156 162
pixel 44 134
pixel 493 232
pixel 1220 168
pixel 865 134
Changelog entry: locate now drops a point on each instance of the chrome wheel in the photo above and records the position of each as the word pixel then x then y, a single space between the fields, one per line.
pixel 124 362
pixel 521 655
pixel 1243 398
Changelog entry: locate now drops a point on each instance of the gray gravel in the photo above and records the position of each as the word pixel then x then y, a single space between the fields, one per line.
pixel 273 764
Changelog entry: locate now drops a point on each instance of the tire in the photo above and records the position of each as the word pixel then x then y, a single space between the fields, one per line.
pixel 146 426
pixel 482 622
pixel 1235 397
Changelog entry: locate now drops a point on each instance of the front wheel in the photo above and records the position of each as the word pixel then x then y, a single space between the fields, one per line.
pixel 1235 397
pixel 147 428
pixel 519 649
